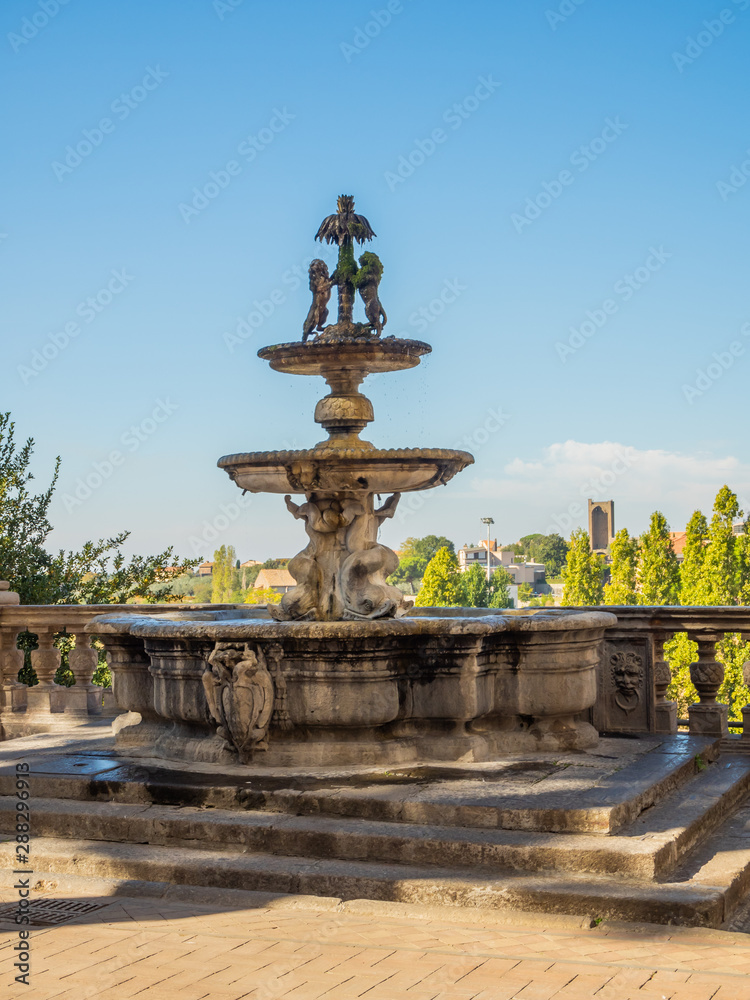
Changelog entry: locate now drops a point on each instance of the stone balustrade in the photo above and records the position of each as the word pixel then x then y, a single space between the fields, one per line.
pixel 633 675
pixel 48 706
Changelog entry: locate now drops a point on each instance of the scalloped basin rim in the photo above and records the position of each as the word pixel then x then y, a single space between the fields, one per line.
pixel 348 455
pixel 345 470
pixel 371 356
pixel 208 625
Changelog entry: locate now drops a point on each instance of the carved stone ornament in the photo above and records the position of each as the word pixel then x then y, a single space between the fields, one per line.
pixel 240 695
pixel 342 573
pixel 627 674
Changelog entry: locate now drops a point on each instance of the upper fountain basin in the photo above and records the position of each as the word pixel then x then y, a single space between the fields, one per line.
pixel 366 355
pixel 359 469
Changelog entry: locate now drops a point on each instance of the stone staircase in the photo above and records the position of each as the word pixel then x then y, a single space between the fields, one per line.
pixel 664 838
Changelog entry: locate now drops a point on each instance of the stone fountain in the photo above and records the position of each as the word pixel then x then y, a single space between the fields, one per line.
pixel 340 672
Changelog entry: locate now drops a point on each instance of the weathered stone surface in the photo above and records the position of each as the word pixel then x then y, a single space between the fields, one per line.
pixel 384 691
pixel 604 897
pixel 97 814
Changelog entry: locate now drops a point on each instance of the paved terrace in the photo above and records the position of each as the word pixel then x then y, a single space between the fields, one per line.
pixel 184 945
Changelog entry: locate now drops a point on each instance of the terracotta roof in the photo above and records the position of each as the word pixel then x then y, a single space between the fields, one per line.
pixel 678 541
pixel 274 578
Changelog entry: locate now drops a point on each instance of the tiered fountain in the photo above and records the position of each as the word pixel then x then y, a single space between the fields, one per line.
pixel 343 674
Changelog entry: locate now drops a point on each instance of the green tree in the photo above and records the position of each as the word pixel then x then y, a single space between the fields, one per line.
pixel 225 576
pixel 97 574
pixel 528 544
pixel 248 576
pixel 621 588
pixel 658 577
pixel 552 550
pixel 525 592
pixel 722 565
pixel 693 584
pixel 476 586
pixel 443 584
pixel 499 589
pixel 583 573
pixel 743 557
pixel 262 595
pixel 415 555
pixel 680 652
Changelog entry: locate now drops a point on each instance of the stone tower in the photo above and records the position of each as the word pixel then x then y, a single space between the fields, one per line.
pixel 601 524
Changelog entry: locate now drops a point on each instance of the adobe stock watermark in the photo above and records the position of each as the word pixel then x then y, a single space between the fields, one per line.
pixel 474 441
pixel 597 485
pixel 454 116
pixel 581 158
pixel 562 12
pixel 122 107
pixel 262 310
pixel 710 30
pixel 34 23
pixel 228 514
pixel 625 288
pixel 738 177
pixel 706 378
pixel 249 149
pixel 363 36
pixel 224 7
pixel 87 310
pixel 131 440
pixel 422 318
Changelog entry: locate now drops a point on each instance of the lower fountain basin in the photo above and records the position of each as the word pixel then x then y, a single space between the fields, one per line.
pixel 428 687
pixel 350 470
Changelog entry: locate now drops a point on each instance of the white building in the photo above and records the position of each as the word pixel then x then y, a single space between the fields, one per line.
pixel 521 571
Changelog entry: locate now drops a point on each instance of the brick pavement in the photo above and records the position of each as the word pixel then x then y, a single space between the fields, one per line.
pixel 154 949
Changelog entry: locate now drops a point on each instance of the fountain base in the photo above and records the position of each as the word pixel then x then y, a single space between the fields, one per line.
pixel 234 686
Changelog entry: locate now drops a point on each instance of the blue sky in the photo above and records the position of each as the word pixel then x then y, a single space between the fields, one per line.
pixel 572 176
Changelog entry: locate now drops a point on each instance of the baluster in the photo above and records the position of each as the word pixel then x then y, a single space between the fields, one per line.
pixel 665 712
pixel 707 718
pixel 41 699
pixel 745 738
pixel 83 660
pixel 12 692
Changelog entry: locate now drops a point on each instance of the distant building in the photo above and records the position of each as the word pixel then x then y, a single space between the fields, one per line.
pixel 249 563
pixel 678 539
pixel 205 569
pixel 521 572
pixel 601 524
pixel 280 580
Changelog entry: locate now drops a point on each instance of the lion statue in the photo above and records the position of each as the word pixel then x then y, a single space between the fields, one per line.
pixel 367 281
pixel 320 286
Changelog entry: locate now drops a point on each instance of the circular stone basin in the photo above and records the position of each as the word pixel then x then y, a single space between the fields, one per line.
pixel 363 355
pixel 351 470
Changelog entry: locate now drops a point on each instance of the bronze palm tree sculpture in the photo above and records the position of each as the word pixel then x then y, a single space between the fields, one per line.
pixel 344 228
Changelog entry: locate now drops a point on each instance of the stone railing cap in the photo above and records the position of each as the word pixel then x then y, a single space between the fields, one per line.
pixel 7 596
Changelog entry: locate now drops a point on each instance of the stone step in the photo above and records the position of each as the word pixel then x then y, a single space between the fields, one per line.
pixel 459 796
pixel 571 893
pixel 649 849
pixel 722 861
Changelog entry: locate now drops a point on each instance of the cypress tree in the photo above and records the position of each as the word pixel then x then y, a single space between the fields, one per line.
pixel 658 575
